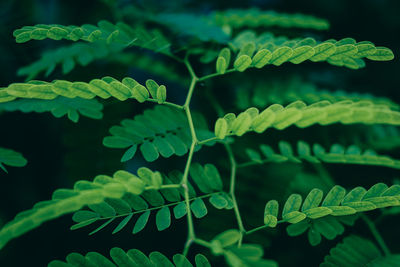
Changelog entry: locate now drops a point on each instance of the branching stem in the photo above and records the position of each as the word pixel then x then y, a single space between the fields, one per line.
pixel 376 234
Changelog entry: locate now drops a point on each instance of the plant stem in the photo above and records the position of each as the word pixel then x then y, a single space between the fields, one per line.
pixel 207 140
pixel 376 234
pixel 166 103
pixel 232 191
pixel 206 77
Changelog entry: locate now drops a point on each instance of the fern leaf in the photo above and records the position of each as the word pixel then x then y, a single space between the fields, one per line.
pixel 131 258
pixel 301 115
pixel 336 154
pixel 70 200
pixel 268 49
pixel 11 158
pixel 206 178
pixel 355 251
pixel 105 88
pixel 119 33
pixel 161 131
pixel 68 57
pixel 284 91
pixel 58 107
pixel 336 203
pixel 254 18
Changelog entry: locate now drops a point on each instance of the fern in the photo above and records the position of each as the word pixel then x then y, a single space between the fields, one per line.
pixel 239 18
pixel 206 178
pixel 336 154
pixel 105 88
pixel 335 203
pixel 301 115
pixel 267 49
pixel 282 92
pixel 119 33
pixel 356 251
pixel 58 107
pixel 162 131
pixel 131 258
pixel 11 158
pixel 228 41
pixel 68 57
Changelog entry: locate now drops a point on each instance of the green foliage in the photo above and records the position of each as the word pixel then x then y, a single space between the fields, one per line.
pixel 128 200
pixel 120 33
pixel 131 258
pixel 356 251
pixel 301 115
pixel 206 178
pixel 240 18
pixel 11 158
pixel 283 91
pixel 259 51
pixel 105 88
pixel 162 131
pixel 58 107
pixel 336 154
pixel 335 203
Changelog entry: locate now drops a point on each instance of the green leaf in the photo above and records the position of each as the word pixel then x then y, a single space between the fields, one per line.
pixel 227 238
pixel 123 223
pixel 163 219
pixel 198 208
pixel 141 222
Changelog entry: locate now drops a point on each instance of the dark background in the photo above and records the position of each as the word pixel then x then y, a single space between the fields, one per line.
pixel 60 152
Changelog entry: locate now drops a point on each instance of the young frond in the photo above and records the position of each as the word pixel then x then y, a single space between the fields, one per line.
pixel 355 251
pixel 336 154
pixel 84 193
pixel 283 91
pixel 160 131
pixel 11 158
pixel 253 18
pixel 105 88
pixel 131 258
pixel 120 33
pixel 205 179
pixel 60 106
pixel 267 49
pixel 301 115
pixel 68 56
pixel 336 203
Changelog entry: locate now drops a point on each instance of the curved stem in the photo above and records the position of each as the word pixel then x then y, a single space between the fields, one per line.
pixel 206 77
pixel 376 234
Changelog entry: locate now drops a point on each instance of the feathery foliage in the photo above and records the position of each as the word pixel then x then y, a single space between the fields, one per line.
pixel 58 107
pixel 162 131
pixel 336 154
pixel 131 258
pixel 302 115
pixel 221 42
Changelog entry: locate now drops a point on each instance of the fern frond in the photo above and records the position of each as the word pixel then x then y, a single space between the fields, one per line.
pixel 355 251
pixel 59 107
pixel 301 115
pixel 161 131
pixel 84 193
pixel 194 26
pixel 335 203
pixel 262 94
pixel 267 49
pixel 336 154
pixel 240 18
pixel 11 158
pixel 131 258
pixel 328 227
pixel 246 255
pixel 205 179
pixel 68 56
pixel 105 88
pixel 120 33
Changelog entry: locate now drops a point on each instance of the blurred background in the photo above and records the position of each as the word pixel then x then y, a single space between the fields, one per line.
pixel 59 152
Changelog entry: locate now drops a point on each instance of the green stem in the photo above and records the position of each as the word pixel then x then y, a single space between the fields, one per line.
pixel 209 76
pixel 376 234
pixel 166 103
pixel 261 227
pixel 202 242
pixel 202 142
